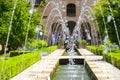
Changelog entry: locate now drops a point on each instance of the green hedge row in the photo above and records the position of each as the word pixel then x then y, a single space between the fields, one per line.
pixel 38 43
pixel 49 49
pixel 17 52
pixel 16 64
pixel 95 49
pixel 113 58
pixel 113 55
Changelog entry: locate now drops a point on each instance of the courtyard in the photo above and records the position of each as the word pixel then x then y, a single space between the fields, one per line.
pixel 59 40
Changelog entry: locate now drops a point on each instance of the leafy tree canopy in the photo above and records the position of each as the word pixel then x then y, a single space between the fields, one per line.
pixel 19 22
pixel 106 12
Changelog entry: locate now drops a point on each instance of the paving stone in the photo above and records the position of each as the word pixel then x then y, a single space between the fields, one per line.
pixel 45 67
pixel 41 69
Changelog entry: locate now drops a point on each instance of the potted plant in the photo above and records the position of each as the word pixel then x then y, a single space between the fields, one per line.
pixel 78 42
pixel 84 43
pixel 58 44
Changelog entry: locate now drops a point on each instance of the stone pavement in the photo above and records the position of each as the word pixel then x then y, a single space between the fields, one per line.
pixel 102 70
pixel 43 69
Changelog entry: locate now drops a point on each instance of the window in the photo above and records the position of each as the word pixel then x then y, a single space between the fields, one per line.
pixel 71 10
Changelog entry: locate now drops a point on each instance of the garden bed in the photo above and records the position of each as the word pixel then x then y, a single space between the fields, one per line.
pixel 113 55
pixel 16 64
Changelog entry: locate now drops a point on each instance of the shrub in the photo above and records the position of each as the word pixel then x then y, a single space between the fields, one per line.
pixel 113 58
pixel 49 49
pixel 16 53
pixel 42 3
pixel 95 49
pixel 84 42
pixel 38 44
pixel 113 55
pixel 16 64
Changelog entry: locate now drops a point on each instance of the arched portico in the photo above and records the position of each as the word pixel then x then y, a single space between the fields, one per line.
pixel 85 27
pixel 71 25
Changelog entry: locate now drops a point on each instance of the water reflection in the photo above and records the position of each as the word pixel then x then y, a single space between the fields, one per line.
pixel 71 72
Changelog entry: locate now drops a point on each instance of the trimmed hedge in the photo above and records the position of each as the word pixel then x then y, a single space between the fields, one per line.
pixel 38 43
pixel 113 56
pixel 49 49
pixel 17 52
pixel 95 49
pixel 16 64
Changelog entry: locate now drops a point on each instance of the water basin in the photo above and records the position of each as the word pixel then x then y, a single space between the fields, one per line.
pixel 71 72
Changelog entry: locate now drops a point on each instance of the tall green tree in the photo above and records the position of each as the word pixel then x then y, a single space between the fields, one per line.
pixel 19 24
pixel 106 12
pixel 5 15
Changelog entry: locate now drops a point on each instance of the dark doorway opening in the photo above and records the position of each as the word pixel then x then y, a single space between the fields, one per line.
pixel 71 25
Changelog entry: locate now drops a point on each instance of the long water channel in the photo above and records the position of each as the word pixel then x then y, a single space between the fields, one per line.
pixel 71 70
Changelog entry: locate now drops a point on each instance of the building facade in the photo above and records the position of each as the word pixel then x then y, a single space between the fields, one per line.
pixel 72 13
